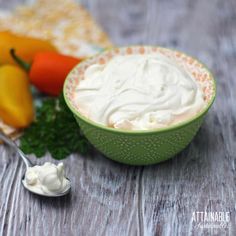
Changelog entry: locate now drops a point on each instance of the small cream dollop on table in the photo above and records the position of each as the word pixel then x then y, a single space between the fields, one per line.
pixel 46 179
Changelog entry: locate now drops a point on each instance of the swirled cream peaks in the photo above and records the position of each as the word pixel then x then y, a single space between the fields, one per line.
pixel 138 92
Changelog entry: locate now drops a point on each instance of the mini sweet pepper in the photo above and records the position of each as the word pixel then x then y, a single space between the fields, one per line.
pixel 26 47
pixel 48 70
pixel 16 104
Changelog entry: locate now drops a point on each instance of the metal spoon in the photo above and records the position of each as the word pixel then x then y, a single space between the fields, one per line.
pixel 28 164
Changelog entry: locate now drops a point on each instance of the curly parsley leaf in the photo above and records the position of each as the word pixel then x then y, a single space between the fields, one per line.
pixel 54 130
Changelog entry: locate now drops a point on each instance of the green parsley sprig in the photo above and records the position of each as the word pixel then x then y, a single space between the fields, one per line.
pixel 54 130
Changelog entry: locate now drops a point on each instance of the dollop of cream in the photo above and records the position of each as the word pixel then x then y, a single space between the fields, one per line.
pixel 139 92
pixel 46 179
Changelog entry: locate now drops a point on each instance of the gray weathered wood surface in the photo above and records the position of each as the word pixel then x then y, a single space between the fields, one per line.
pixel 113 199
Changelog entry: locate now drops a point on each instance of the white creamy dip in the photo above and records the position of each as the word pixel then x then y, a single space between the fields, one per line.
pixel 138 92
pixel 46 179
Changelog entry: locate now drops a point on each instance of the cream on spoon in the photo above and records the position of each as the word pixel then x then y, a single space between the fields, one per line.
pixel 46 180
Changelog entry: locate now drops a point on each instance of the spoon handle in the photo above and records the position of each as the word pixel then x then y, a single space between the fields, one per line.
pixel 11 143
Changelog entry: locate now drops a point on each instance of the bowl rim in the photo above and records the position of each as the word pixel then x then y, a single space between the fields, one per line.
pixel 140 132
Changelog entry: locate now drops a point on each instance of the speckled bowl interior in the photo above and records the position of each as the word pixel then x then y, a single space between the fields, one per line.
pixel 141 147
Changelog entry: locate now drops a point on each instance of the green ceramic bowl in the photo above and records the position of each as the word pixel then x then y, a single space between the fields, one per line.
pixel 141 147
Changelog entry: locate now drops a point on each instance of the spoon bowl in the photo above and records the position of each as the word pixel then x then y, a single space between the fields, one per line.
pixel 45 194
pixel 28 164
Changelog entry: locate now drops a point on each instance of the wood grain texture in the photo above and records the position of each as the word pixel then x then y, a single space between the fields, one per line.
pixel 113 199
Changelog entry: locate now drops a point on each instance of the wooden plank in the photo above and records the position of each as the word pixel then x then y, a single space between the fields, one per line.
pixel 113 199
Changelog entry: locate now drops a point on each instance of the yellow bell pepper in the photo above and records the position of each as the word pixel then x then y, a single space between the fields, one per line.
pixel 16 104
pixel 26 47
